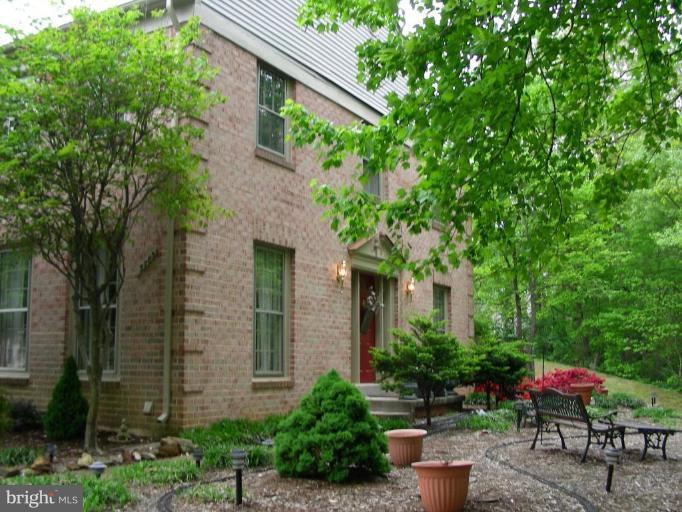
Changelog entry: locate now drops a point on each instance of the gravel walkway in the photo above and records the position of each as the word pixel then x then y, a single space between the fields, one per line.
pixel 651 485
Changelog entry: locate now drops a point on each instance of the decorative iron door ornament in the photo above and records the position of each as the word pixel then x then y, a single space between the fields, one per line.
pixel 370 304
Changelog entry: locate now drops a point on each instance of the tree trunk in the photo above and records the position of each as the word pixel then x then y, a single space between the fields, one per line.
pixel 426 396
pixel 532 319
pixel 487 394
pixel 518 323
pixel 98 331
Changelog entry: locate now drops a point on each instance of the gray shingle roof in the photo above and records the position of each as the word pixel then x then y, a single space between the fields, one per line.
pixel 330 55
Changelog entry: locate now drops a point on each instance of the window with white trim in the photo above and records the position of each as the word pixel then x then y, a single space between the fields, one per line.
pixel 271 311
pixel 441 304
pixel 273 90
pixel 14 300
pixel 371 181
pixel 108 351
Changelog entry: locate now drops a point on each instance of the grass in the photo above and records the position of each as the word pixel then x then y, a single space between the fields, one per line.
pixel 500 420
pixel 15 456
pixel 210 493
pixel 98 494
pixel 152 472
pixel 660 415
pixel 664 397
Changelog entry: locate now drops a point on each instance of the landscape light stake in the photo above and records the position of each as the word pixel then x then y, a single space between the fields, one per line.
pixel 238 459
pixel 612 455
pixel 97 468
pixel 198 455
pixel 51 451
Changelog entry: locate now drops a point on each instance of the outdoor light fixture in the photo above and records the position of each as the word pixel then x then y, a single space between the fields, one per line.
pixel 409 289
pixel 97 468
pixel 51 452
pixel 612 456
pixel 341 273
pixel 238 460
pixel 198 455
pixel 653 399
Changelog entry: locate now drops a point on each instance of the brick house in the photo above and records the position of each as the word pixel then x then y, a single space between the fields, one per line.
pixel 238 320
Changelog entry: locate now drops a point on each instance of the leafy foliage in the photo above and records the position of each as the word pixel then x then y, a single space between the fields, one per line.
pixel 5 418
pixel 427 355
pixel 92 144
pixel 508 108
pixel 386 424
pixel 502 365
pixel 17 455
pixel 657 414
pixel 562 379
pixel 500 420
pixel 331 435
pixel 174 471
pixel 67 409
pixel 210 493
pixel 476 398
pixel 218 439
pixel 615 400
pixel 25 416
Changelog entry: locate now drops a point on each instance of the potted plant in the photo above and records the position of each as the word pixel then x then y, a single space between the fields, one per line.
pixel 405 445
pixel 443 486
pixel 584 389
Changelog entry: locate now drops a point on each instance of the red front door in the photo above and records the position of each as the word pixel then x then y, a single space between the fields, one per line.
pixel 368 323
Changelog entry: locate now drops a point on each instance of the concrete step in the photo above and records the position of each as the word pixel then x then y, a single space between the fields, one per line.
pixel 393 415
pixel 373 389
pixel 392 404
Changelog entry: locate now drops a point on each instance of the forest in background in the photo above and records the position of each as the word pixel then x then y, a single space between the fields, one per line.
pixel 606 293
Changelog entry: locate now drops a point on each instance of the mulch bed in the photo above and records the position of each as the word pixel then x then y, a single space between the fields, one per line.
pixel 653 484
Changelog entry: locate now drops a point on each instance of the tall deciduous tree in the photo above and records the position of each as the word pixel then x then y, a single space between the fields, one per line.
pixel 504 101
pixel 94 134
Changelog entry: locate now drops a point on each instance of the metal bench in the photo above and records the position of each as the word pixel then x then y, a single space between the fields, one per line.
pixel 553 407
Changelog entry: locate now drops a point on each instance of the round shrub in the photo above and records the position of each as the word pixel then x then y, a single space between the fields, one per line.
pixel 68 409
pixel 331 435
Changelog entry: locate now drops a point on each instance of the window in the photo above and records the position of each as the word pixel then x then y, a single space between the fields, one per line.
pixel 372 185
pixel 272 92
pixel 14 286
pixel 270 324
pixel 84 340
pixel 441 299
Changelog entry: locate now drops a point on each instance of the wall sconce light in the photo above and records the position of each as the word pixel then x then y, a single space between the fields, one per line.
pixel 341 273
pixel 409 289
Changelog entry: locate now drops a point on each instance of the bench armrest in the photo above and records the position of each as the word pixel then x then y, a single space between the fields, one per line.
pixel 606 418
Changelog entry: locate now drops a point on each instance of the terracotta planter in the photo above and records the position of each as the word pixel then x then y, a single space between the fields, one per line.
pixel 584 389
pixel 405 445
pixel 443 486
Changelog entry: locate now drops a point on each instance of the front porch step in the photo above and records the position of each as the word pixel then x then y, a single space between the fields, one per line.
pixel 372 389
pixel 392 404
pixel 394 416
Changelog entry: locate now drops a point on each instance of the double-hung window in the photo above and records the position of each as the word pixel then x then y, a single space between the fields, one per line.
pixel 371 180
pixel 441 304
pixel 14 287
pixel 270 324
pixel 273 90
pixel 84 338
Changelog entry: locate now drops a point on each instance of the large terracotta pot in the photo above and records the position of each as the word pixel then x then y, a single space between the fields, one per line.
pixel 584 389
pixel 405 445
pixel 443 486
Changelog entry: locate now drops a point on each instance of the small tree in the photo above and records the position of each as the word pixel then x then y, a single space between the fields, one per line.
pixel 67 409
pixel 497 364
pixel 428 356
pixel 95 133
pixel 331 434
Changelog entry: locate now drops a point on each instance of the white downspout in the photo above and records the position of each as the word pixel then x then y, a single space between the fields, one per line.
pixel 168 288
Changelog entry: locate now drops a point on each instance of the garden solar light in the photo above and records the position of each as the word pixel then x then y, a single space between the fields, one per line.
pixel 198 455
pixel 612 456
pixel 653 399
pixel 51 451
pixel 97 468
pixel 238 460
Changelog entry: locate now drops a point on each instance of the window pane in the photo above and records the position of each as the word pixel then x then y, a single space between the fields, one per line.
pixel 372 184
pixel 268 344
pixel 13 281
pixel 108 350
pixel 440 303
pixel 270 131
pixel 13 340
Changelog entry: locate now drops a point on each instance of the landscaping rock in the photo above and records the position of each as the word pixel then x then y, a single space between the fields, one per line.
pixel 169 447
pixel 41 465
pixel 9 471
pixel 127 457
pixel 73 466
pixel 27 472
pixel 148 456
pixel 85 460
pixel 136 456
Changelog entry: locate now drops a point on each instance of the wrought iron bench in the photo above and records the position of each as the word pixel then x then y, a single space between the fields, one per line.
pixel 553 407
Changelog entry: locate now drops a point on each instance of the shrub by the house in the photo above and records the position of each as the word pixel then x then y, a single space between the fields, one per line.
pixel 25 416
pixel 331 435
pixel 561 380
pixel 5 418
pixel 68 409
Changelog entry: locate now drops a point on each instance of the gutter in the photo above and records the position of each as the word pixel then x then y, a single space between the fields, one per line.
pixel 168 289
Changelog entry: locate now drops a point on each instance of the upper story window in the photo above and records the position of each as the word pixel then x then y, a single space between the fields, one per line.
pixel 371 181
pixel 84 339
pixel 441 304
pixel 273 90
pixel 14 287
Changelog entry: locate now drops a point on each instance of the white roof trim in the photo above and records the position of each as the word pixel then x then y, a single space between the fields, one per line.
pixel 278 59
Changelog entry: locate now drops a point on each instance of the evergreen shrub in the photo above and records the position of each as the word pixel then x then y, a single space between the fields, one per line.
pixel 68 409
pixel 331 435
